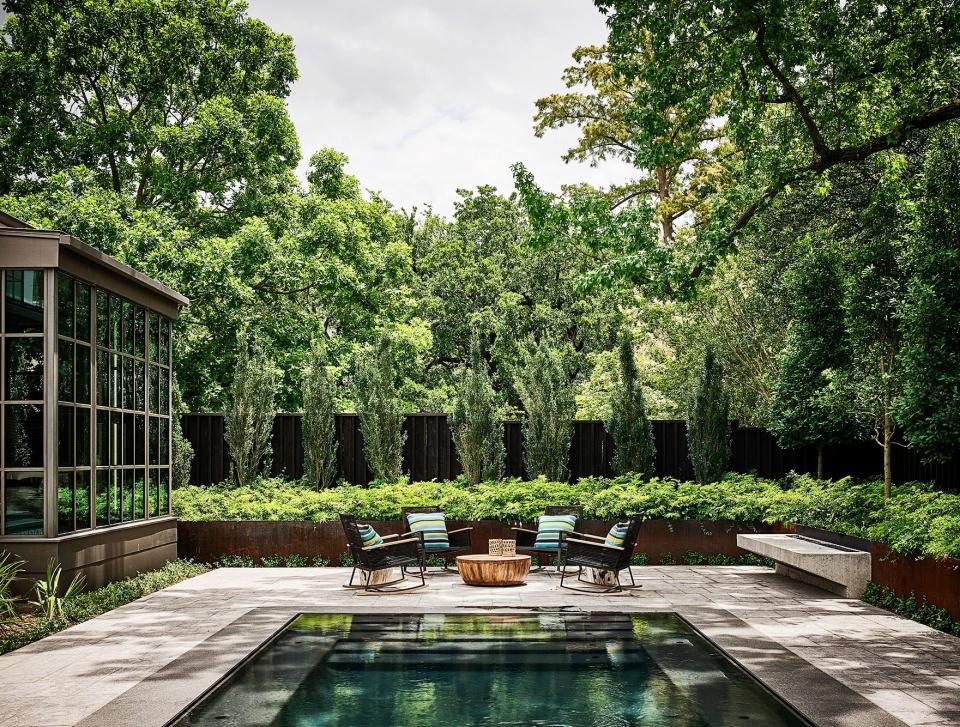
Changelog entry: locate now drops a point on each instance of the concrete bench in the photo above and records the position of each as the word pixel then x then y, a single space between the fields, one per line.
pixel 835 568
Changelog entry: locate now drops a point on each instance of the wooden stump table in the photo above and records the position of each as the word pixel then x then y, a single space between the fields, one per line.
pixel 493 570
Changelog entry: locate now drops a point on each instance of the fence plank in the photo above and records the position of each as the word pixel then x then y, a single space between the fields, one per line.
pixel 430 454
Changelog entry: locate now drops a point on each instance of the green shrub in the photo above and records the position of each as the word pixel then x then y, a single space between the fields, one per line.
pixel 320 562
pixel 181 452
pixel 273 561
pixel 476 423
pixel 380 413
pixel 708 422
pixel 924 612
pixel 346 560
pixel 916 519
pixel 667 559
pixel 296 561
pixel 628 424
pixel 235 561
pixel 248 423
pixel 319 427
pixel 640 559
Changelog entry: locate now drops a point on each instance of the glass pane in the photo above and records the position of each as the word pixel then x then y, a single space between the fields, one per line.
pixel 127 326
pixel 82 386
pixel 65 370
pixel 23 503
pixel 24 369
pixel 153 502
pixel 116 316
pixel 65 305
pixel 154 333
pixel 138 384
pixel 139 494
pixel 103 489
pixel 83 437
pixel 65 436
pixel 103 378
pixel 154 386
pixel 127 513
pixel 83 311
pixel 154 440
pixel 65 502
pixel 139 321
pixel 115 490
pixel 115 380
pixel 126 369
pixel 23 438
pixel 138 439
pixel 128 439
pixel 24 301
pixel 164 391
pixel 164 491
pixel 103 319
pixel 116 438
pixel 164 341
pixel 164 441
pixel 82 499
pixel 103 438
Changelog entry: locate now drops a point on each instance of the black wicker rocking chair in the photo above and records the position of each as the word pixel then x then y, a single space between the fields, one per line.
pixel 397 551
pixel 460 542
pixel 590 551
pixel 526 539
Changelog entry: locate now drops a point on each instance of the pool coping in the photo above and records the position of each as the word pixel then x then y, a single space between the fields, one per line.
pixel 166 695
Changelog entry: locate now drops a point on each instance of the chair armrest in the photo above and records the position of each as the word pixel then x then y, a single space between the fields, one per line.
pixel 458 530
pixel 615 548
pixel 525 538
pixel 393 544
pixel 594 537
pixel 393 536
pixel 524 530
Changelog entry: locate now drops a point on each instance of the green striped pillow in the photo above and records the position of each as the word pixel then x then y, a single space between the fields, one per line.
pixel 369 536
pixel 433 525
pixel 549 528
pixel 617 535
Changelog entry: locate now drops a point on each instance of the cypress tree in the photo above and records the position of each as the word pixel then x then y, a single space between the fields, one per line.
pixel 319 427
pixel 708 422
pixel 249 419
pixel 628 425
pixel 380 414
pixel 476 422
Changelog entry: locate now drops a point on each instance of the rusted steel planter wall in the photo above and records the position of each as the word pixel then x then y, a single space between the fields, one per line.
pixel 208 541
pixel 936 578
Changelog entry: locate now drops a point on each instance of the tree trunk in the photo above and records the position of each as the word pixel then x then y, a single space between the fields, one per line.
pixel 887 441
pixel 820 461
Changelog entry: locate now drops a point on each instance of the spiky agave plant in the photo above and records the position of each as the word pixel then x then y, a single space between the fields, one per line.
pixel 47 591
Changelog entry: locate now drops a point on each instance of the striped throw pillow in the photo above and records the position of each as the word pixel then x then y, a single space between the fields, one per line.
pixel 549 528
pixel 433 525
pixel 617 535
pixel 369 536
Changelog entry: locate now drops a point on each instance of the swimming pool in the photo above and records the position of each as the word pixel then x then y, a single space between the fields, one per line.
pixel 551 668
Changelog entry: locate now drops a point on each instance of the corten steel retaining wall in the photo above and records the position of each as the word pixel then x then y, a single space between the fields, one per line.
pixel 936 578
pixel 429 453
pixel 208 541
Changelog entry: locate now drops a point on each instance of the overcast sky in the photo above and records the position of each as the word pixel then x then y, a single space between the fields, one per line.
pixel 426 96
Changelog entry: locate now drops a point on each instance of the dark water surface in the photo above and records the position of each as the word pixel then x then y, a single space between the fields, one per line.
pixel 431 670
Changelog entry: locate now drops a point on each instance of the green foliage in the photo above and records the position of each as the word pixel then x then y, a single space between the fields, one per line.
pixel 327 176
pixel 320 561
pixel 477 424
pixel 380 414
pixel 346 560
pixel 181 451
pixel 319 426
pixel 811 403
pixel 248 424
pixel 916 519
pixel 628 425
pixel 47 595
pixel 667 559
pixel 708 422
pixel 234 561
pixel 924 612
pixel 10 569
pixel 639 559
pixel 929 408
pixel 273 561
pixel 549 406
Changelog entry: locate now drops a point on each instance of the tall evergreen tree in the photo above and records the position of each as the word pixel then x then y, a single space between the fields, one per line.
pixel 629 426
pixel 477 423
pixel 319 423
pixel 380 413
pixel 708 422
pixel 249 418
pixel 811 405
pixel 549 407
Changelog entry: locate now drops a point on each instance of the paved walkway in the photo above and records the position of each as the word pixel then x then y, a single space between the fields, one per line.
pixel 141 664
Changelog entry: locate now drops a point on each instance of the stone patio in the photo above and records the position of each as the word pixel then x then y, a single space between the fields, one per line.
pixel 839 661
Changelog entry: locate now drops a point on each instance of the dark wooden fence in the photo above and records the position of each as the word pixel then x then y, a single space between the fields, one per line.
pixel 429 453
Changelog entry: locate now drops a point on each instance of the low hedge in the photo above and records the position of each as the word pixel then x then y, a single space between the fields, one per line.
pixel 917 519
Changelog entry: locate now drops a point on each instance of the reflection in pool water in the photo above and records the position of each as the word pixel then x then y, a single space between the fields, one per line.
pixel 578 669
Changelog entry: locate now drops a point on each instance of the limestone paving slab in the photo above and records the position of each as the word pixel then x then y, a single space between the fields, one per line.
pixel 837 660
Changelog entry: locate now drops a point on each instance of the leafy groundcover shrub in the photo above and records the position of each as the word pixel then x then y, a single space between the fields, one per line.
pixel 908 606
pixel 29 628
pixel 916 520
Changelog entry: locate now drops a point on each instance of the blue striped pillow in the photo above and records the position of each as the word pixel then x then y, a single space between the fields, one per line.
pixel 433 525
pixel 617 535
pixel 549 528
pixel 369 536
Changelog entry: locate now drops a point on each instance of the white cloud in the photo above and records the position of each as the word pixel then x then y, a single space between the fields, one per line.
pixel 426 96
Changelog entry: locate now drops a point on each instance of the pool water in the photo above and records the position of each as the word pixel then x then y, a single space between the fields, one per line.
pixel 552 668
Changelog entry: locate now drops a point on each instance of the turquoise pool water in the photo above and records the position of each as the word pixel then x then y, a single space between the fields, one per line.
pixel 577 669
